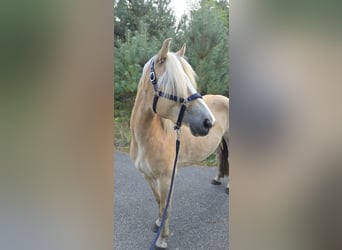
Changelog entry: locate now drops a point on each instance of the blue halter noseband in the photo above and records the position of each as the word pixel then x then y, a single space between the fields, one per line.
pixel 181 100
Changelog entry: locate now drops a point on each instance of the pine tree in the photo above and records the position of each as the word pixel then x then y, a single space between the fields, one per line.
pixel 133 15
pixel 207 39
pixel 140 27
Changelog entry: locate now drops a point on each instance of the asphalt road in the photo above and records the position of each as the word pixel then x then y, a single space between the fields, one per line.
pixel 199 213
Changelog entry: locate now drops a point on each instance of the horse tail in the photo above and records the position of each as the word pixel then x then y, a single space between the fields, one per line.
pixel 222 156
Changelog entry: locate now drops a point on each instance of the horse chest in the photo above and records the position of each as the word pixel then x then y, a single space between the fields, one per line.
pixel 143 165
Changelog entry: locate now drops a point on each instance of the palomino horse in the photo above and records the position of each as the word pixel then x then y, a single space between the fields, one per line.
pixel 167 80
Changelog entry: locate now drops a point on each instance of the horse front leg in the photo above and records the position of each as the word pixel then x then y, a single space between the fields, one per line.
pixel 164 185
pixel 153 183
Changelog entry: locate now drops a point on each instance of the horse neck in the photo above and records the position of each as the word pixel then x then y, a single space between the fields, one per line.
pixel 144 121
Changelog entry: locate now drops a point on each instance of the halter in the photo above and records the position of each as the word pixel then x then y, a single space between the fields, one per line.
pixel 158 93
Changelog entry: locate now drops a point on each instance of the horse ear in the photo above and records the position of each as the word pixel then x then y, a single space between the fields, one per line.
pixel 181 52
pixel 165 48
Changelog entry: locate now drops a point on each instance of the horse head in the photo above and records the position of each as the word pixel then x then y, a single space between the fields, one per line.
pixel 176 97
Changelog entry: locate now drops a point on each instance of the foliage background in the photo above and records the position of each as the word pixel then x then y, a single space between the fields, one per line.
pixel 140 27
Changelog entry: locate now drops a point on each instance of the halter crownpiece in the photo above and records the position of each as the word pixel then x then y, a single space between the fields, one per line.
pixel 158 93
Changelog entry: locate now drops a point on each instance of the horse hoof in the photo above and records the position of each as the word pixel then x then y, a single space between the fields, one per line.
pixel 215 182
pixel 155 228
pixel 160 248
pixel 227 190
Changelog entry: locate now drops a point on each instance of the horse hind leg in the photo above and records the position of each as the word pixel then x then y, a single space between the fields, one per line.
pixel 223 163
pixel 216 180
pixel 218 153
pixel 226 140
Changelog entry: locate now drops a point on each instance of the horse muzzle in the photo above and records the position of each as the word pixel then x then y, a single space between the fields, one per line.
pixel 202 129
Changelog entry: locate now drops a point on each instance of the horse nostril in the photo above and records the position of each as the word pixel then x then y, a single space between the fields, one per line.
pixel 207 123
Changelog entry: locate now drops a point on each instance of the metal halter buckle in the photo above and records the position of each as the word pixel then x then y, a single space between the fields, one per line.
pixel 152 76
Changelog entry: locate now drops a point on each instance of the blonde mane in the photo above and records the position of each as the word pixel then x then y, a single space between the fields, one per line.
pixel 178 73
pixel 189 71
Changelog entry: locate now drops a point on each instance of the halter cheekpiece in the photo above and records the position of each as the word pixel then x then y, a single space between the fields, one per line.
pixel 181 100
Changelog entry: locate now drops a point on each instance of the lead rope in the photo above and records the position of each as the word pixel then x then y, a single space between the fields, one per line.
pixel 170 191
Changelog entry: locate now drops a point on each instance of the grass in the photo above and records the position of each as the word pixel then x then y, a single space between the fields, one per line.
pixel 211 161
pixel 122 135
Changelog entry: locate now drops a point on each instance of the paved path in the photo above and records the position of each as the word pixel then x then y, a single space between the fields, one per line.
pixel 199 213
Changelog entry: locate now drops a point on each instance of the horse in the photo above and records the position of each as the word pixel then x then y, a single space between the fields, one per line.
pixel 166 96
